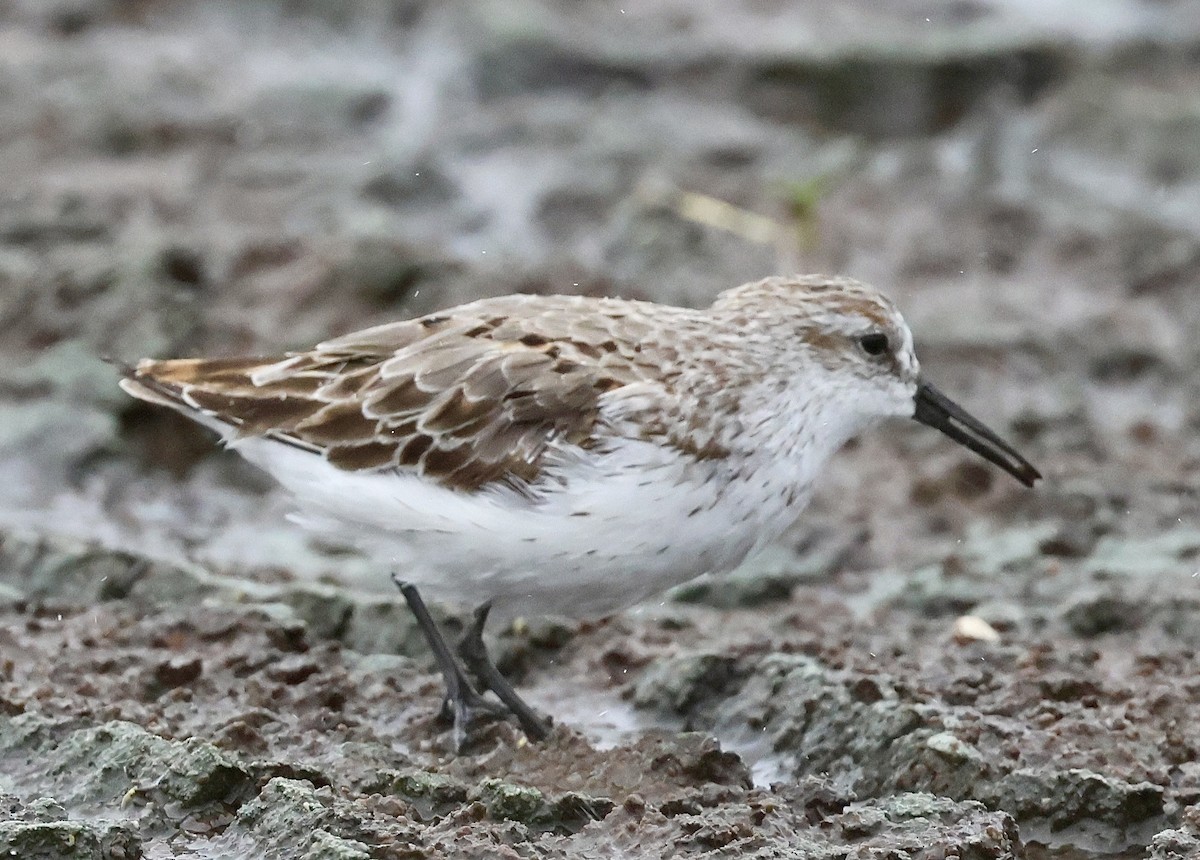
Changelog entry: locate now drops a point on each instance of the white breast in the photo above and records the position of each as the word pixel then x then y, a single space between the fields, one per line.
pixel 601 530
pixel 601 534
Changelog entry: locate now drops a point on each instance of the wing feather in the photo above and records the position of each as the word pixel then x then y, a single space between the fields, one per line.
pixel 467 397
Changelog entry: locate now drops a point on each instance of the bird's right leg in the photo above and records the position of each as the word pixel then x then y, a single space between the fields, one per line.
pixel 465 702
pixel 475 655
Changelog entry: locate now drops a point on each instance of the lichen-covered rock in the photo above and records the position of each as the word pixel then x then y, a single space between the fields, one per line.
pixel 903 819
pixel 431 794
pixel 119 763
pixel 1181 843
pixel 835 722
pixel 291 818
pixel 1068 797
pixel 682 684
pixel 529 806
pixel 69 840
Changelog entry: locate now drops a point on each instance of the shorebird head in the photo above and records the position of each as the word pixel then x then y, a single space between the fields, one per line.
pixel 857 355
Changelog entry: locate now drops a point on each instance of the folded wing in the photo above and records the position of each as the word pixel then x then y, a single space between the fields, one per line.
pixel 466 398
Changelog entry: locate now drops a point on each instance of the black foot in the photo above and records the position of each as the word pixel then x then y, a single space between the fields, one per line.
pixel 475 656
pixel 463 712
pixel 463 703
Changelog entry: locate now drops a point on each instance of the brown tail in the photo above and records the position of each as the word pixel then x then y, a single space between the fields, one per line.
pixel 146 387
pixel 220 393
pixel 171 382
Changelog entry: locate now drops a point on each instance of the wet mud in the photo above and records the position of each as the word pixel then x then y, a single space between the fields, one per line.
pixel 935 663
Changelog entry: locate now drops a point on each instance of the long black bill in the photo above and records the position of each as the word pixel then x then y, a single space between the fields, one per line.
pixel 939 411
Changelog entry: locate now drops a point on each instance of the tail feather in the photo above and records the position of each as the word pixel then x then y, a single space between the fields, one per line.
pixel 217 393
pixel 221 373
pixel 151 390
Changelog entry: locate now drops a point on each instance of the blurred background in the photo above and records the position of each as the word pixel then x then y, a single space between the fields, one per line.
pixel 1021 176
pixel 186 178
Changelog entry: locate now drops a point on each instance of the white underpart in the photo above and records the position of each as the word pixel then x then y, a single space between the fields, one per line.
pixel 603 531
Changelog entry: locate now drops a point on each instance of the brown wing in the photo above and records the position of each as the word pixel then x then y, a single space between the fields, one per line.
pixel 468 397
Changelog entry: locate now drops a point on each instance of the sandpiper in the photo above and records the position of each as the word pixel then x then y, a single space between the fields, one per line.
pixel 563 455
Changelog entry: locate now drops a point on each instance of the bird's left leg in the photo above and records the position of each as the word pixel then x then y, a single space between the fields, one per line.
pixel 466 704
pixel 475 657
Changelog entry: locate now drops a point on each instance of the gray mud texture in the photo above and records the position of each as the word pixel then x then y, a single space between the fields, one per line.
pixel 935 663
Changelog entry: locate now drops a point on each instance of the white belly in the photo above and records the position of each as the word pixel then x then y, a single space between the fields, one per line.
pixel 615 529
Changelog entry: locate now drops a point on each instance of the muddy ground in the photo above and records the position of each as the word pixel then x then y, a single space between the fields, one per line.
pixel 936 663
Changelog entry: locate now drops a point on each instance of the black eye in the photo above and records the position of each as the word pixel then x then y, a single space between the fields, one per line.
pixel 874 344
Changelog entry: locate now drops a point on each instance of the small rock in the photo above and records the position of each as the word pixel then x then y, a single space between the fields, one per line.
pixel 293 669
pixel 100 840
pixel 177 671
pixel 679 684
pixel 952 747
pixel 1097 612
pixel 972 628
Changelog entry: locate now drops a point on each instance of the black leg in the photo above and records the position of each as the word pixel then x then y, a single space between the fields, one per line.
pixel 475 657
pixel 464 700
